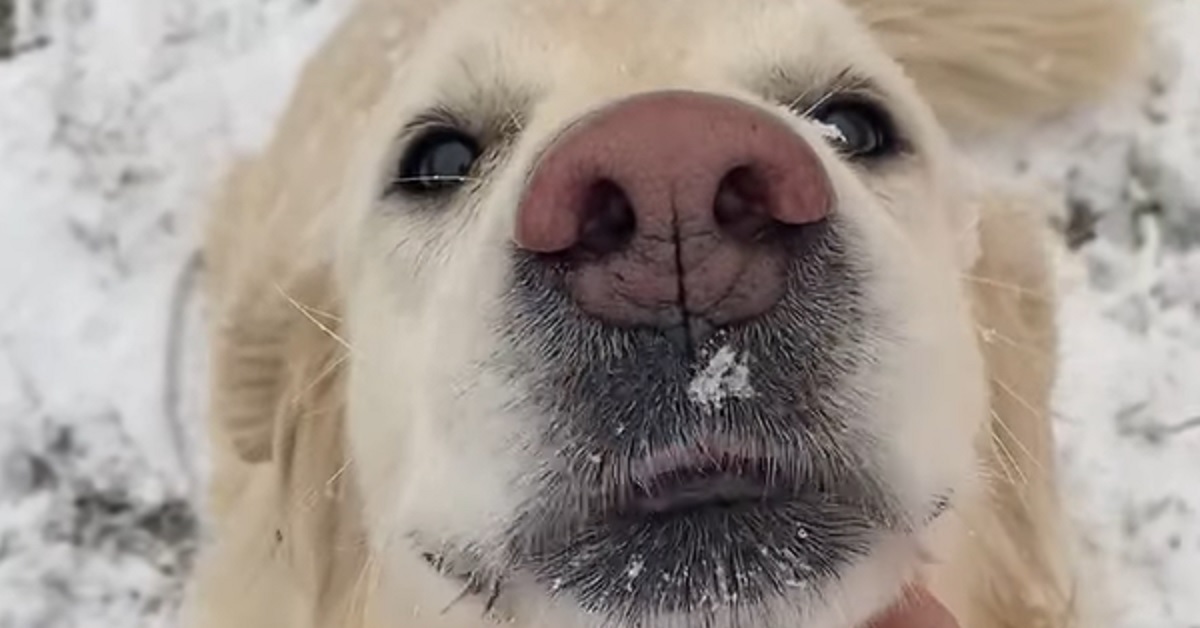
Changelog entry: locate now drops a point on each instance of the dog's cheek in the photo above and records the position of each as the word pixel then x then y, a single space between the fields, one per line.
pixel 943 390
pixel 927 380
pixel 433 428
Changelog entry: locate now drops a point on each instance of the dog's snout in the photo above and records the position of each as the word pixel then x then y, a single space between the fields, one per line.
pixel 666 207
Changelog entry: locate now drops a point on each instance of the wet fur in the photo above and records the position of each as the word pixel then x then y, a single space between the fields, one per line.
pixel 291 544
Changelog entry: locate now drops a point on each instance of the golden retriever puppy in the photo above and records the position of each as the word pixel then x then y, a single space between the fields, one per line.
pixel 642 313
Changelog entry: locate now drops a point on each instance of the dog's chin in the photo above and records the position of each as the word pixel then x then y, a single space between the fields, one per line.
pixel 728 550
pixel 726 538
pixel 708 529
pixel 699 527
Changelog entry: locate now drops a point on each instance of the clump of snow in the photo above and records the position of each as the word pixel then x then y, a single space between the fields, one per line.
pixel 726 376
pixel 636 567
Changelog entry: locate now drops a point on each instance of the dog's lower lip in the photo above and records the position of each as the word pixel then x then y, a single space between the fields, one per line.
pixel 722 490
pixel 692 488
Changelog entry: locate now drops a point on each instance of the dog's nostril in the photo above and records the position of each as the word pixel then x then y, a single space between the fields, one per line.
pixel 740 207
pixel 609 221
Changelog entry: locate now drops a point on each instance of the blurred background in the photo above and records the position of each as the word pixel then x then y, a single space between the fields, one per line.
pixel 118 116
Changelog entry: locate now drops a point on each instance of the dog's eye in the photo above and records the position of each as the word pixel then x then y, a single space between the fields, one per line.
pixel 437 161
pixel 857 128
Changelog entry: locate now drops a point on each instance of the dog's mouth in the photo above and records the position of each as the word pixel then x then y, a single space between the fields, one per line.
pixel 698 510
pixel 698 484
pixel 704 536
pixel 712 484
pixel 692 530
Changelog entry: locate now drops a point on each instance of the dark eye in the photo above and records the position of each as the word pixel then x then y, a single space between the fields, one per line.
pixel 437 161
pixel 857 128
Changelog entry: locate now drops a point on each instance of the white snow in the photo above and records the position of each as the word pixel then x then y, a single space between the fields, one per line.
pixel 635 568
pixel 112 132
pixel 110 136
pixel 726 376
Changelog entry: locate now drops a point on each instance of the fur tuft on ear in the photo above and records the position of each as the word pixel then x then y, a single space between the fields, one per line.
pixel 984 63
pixel 269 290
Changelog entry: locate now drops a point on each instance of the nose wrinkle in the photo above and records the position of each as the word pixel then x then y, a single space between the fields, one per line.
pixel 689 330
pixel 697 248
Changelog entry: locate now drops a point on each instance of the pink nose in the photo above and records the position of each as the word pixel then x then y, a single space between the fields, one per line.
pixel 669 206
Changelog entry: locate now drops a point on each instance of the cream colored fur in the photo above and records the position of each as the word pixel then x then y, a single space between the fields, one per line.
pixel 300 519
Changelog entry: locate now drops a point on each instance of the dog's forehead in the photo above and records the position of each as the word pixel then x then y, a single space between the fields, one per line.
pixel 555 41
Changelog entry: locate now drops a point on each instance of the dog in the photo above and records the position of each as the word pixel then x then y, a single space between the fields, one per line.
pixel 656 314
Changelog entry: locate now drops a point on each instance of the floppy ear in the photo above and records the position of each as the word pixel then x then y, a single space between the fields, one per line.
pixel 275 351
pixel 275 335
pixel 269 290
pixel 268 245
pixel 1017 540
pixel 982 63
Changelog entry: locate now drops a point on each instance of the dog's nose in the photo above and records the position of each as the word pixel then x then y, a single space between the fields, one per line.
pixel 668 207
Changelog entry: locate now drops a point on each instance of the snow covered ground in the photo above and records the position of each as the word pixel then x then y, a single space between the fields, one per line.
pixel 116 115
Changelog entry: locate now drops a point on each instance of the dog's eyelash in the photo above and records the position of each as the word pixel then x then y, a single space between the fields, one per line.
pixel 803 101
pixel 436 116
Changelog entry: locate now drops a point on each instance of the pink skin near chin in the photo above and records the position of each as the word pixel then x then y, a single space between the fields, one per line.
pixel 918 609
